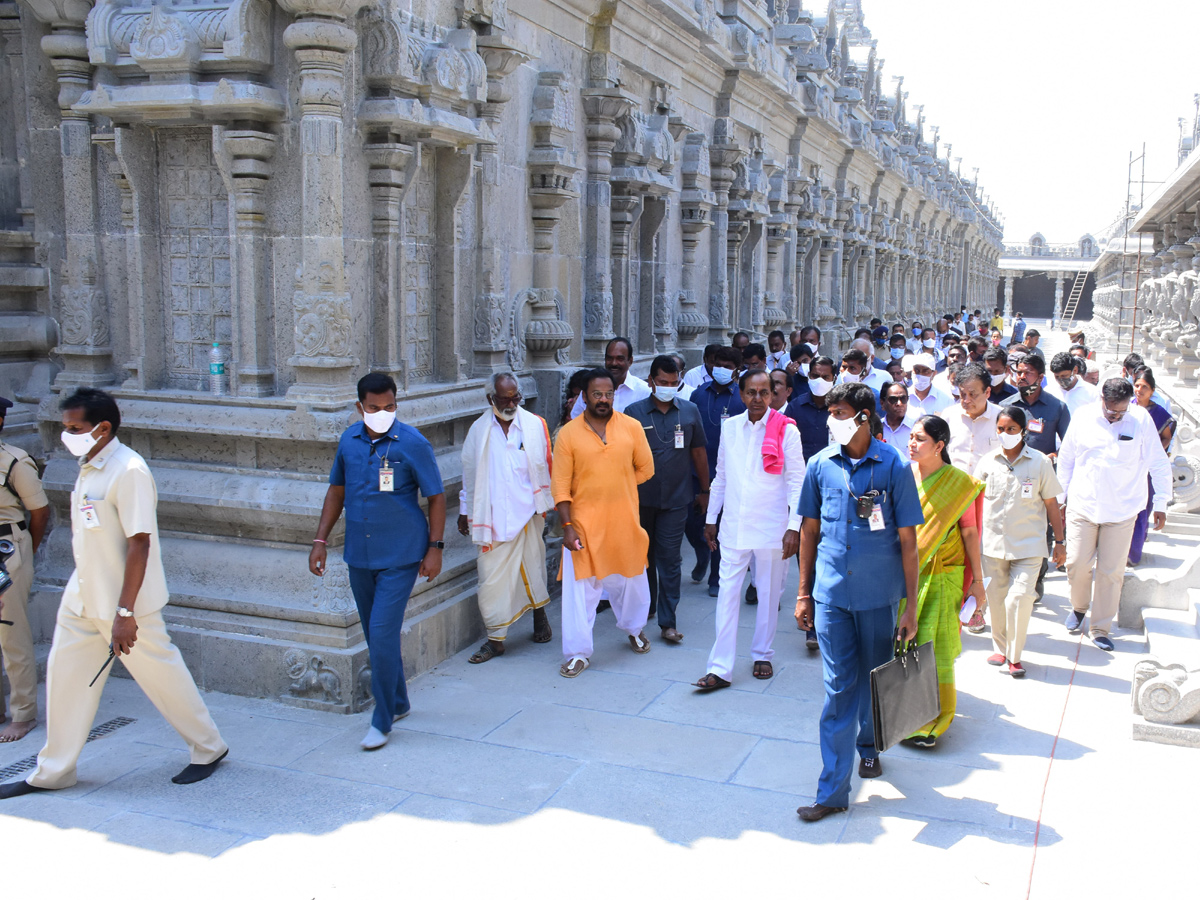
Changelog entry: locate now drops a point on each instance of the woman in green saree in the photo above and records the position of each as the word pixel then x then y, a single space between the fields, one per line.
pixel 947 548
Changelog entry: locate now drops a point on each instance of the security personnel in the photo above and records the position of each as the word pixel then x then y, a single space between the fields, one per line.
pixel 21 492
pixel 112 605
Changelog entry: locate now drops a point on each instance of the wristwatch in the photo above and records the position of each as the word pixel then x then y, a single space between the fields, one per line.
pixel 124 613
pixel 441 545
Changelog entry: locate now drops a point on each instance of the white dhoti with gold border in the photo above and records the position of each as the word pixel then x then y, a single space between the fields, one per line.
pixel 512 579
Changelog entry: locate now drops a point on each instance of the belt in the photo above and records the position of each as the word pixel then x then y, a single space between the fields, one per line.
pixel 7 530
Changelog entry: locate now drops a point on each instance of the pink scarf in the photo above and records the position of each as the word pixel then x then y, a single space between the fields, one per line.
pixel 772 448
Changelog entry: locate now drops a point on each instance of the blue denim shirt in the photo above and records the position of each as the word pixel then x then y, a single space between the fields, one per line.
pixel 385 530
pixel 857 568
pixel 715 405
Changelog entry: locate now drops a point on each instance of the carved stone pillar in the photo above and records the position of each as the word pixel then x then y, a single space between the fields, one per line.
pixel 243 157
pixel 777 238
pixel 1009 279
pixel 82 302
pixel 626 209
pixel 723 156
pixel 602 106
pixel 324 361
pixel 392 167
pixel 502 56
pixel 696 204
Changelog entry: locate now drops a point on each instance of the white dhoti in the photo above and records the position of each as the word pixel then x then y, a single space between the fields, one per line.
pixel 512 579
pixel 630 599
pixel 769 571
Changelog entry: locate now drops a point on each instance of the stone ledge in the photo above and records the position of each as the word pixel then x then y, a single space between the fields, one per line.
pixel 1177 735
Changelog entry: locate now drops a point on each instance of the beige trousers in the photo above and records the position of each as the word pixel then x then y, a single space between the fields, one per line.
pixel 512 579
pixel 1011 592
pixel 79 650
pixel 1107 546
pixel 16 640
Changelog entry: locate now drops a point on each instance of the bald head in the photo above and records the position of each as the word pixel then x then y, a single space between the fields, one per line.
pixel 864 345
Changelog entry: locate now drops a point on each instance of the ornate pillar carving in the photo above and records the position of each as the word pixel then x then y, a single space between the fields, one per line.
pixel 243 157
pixel 724 154
pixel 82 302
pixel 603 104
pixel 1009 280
pixel 696 205
pixel 393 166
pixel 502 56
pixel 1058 297
pixel 324 361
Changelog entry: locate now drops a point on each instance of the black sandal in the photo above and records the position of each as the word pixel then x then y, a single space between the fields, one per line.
pixel 763 670
pixel 711 682
pixel 486 652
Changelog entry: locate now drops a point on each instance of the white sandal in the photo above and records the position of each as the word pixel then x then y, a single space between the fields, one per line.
pixel 573 666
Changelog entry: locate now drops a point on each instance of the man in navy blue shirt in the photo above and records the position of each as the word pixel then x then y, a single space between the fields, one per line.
pixel 716 400
pixel 860 510
pixel 809 411
pixel 379 467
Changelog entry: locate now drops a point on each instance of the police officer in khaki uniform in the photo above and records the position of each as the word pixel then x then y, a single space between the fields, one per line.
pixel 113 605
pixel 20 492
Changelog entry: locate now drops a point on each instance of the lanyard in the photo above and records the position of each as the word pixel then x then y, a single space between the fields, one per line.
pixel 667 417
pixel 383 459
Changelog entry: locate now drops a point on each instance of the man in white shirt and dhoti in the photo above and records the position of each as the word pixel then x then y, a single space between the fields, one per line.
pixel 502 507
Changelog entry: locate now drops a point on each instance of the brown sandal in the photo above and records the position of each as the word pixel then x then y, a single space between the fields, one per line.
pixel 711 682
pixel 543 635
pixel 763 670
pixel 486 652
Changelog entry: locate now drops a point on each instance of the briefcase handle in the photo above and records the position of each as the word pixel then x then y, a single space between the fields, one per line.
pixel 903 648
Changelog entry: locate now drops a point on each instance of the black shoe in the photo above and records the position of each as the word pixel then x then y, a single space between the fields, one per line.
pixel 817 812
pixel 698 572
pixel 810 641
pixel 870 767
pixel 713 590
pixel 1103 641
pixel 195 772
pixel 1074 621
pixel 752 596
pixel 602 606
pixel 18 789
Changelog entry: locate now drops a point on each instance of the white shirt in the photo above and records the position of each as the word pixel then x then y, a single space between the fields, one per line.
pixel 1080 395
pixel 942 382
pixel 630 391
pixel 685 392
pixel 898 437
pixel 697 376
pixel 758 508
pixel 875 378
pixel 1103 476
pixel 509 485
pixel 778 360
pixel 971 439
pixel 935 401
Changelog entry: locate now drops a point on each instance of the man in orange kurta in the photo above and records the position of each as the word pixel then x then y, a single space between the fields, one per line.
pixel 600 458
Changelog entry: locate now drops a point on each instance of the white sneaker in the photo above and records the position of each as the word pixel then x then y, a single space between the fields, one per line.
pixel 374 739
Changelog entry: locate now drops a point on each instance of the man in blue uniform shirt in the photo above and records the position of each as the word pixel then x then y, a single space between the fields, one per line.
pixel 860 510
pixel 717 401
pixel 379 467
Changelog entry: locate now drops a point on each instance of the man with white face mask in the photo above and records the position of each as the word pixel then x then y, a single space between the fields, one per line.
pixel 926 392
pixel 502 507
pixel 808 409
pixel 675 433
pixel 379 467
pixel 873 377
pixel 112 605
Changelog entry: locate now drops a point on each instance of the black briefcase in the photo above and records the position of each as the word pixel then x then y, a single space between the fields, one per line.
pixel 904 694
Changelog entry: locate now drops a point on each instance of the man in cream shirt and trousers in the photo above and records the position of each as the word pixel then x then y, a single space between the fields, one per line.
pixel 114 599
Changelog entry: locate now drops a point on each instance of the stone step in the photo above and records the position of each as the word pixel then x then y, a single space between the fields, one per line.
pixel 1168 570
pixel 1182 523
pixel 1173 635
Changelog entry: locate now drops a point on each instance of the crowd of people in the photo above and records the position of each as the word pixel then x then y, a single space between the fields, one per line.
pixel 924 478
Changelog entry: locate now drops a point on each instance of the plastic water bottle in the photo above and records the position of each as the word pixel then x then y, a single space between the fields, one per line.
pixel 218 380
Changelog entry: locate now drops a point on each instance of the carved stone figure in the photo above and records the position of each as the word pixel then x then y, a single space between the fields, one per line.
pixel 311 678
pixel 1166 694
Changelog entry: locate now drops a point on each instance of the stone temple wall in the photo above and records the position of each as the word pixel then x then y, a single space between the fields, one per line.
pixel 438 189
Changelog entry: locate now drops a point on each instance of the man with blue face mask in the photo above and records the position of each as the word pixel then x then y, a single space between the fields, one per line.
pixel 677 441
pixel 717 401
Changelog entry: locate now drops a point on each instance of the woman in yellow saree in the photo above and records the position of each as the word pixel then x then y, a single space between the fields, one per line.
pixel 946 544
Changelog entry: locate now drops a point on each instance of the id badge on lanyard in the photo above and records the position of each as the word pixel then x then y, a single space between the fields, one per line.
pixel 91 518
pixel 678 437
pixel 387 476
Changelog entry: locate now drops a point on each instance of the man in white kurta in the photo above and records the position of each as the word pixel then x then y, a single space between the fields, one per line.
pixel 502 506
pixel 759 523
